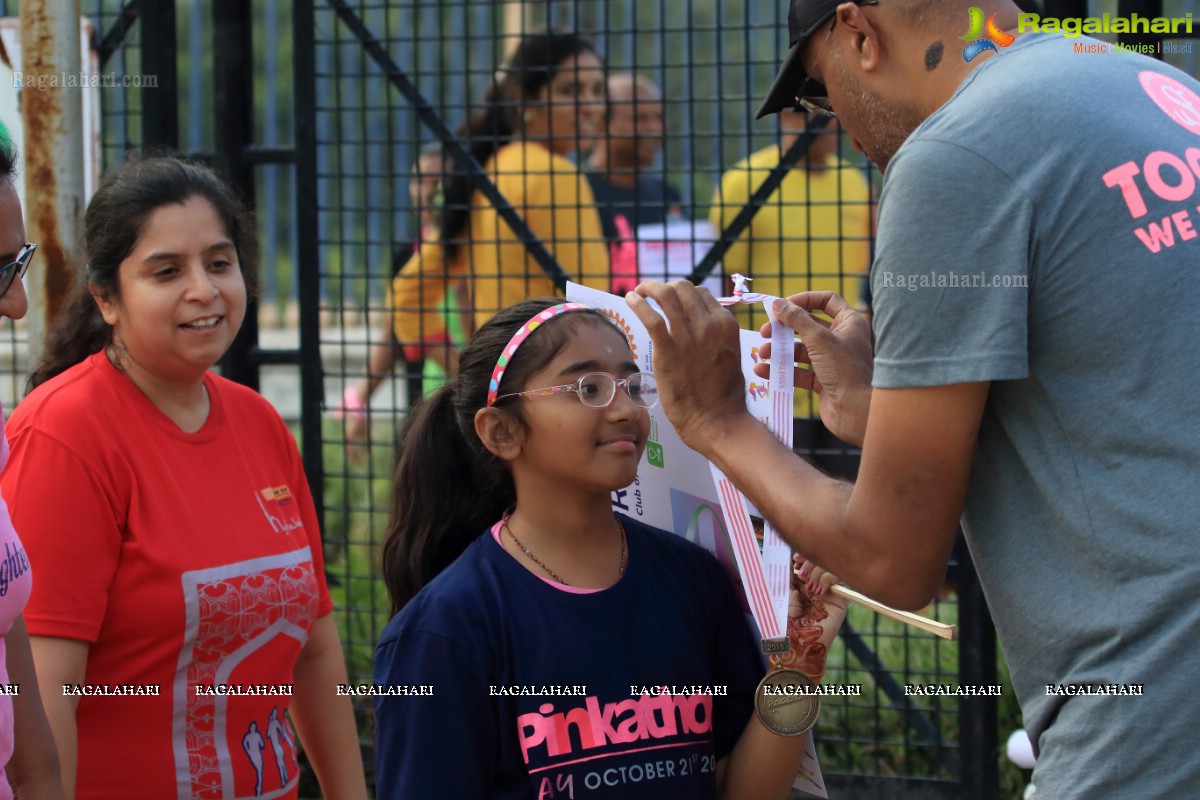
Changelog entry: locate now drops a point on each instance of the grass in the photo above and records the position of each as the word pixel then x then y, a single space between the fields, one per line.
pixel 867 735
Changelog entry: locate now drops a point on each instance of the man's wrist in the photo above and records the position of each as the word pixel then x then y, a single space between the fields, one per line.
pixel 723 441
pixel 861 411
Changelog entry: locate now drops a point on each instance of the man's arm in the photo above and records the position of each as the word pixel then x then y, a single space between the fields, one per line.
pixel 890 534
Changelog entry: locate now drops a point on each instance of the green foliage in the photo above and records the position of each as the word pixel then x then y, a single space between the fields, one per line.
pixel 868 735
pixel 356 501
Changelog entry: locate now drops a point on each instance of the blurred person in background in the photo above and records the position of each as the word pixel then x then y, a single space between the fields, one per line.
pixel 424 191
pixel 543 101
pixel 813 233
pixel 629 193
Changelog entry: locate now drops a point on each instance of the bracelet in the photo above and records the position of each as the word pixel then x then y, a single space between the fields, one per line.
pixel 353 403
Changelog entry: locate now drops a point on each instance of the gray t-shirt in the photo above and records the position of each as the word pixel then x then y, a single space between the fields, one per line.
pixel 1063 188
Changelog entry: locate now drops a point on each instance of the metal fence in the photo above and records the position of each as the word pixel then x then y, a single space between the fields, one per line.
pixel 373 66
pixel 317 111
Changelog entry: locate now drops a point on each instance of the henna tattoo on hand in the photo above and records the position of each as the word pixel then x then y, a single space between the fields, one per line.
pixel 807 653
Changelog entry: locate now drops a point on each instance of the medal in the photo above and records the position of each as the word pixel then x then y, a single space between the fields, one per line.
pixel 783 703
pixel 766 573
pixel 784 700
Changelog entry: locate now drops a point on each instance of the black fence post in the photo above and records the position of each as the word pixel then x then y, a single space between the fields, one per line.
pixel 160 109
pixel 308 267
pixel 979 748
pixel 233 107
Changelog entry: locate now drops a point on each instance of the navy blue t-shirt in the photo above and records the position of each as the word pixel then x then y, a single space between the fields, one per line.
pixel 487 630
pixel 649 202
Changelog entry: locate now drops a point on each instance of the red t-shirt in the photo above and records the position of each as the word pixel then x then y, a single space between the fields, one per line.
pixel 190 561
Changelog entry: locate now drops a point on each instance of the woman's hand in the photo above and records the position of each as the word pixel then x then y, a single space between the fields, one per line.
pixel 816 580
pixel 813 621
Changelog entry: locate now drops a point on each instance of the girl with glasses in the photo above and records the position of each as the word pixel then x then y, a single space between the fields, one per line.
pixel 535 627
pixel 181 594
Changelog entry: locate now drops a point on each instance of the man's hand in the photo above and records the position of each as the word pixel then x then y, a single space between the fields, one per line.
pixel 697 363
pixel 840 354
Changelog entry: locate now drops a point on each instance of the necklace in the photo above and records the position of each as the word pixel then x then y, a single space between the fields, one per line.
pixel 552 573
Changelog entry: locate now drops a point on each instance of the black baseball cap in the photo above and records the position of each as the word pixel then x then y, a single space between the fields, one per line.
pixel 804 17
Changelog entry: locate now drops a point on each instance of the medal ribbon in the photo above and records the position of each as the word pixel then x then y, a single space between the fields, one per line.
pixel 766 576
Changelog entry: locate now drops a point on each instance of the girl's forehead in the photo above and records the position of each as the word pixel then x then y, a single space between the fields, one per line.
pixel 597 339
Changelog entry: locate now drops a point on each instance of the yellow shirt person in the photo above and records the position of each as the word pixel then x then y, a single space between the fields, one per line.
pixel 812 234
pixel 553 197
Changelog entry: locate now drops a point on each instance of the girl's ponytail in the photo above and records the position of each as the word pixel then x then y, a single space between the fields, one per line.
pixel 444 494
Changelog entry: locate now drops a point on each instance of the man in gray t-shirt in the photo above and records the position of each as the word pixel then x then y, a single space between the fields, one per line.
pixel 1037 313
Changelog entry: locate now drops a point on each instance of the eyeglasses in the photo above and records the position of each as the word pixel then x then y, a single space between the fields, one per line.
pixel 821 105
pixel 816 105
pixel 9 272
pixel 599 389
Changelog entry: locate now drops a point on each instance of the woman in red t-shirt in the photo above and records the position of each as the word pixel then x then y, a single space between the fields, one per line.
pixel 180 620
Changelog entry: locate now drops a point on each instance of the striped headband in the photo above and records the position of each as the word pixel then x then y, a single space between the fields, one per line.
pixel 519 338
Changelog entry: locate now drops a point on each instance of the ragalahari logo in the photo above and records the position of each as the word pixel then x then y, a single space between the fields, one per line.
pixel 992 35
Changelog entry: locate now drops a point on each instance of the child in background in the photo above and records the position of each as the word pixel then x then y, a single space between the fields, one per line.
pixel 438 354
pixel 538 616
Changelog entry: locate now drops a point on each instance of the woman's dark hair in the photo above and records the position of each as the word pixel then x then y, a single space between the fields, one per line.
pixel 112 226
pixel 448 487
pixel 533 65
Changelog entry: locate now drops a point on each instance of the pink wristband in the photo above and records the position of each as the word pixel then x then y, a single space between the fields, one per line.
pixel 353 403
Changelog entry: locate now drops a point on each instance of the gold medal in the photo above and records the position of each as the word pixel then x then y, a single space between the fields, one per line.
pixel 783 702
